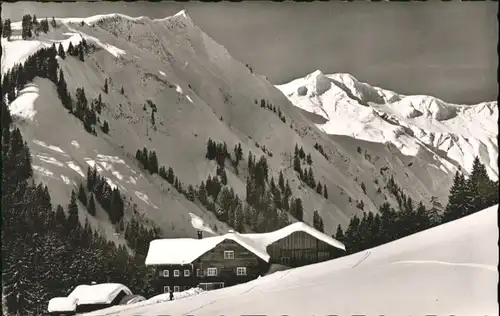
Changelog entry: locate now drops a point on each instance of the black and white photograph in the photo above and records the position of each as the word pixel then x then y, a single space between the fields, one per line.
pixel 258 158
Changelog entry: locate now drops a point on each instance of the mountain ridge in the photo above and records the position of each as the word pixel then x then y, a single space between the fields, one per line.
pixel 199 92
pixel 364 102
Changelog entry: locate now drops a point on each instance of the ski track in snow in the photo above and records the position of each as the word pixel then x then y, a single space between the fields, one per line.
pixel 178 89
pixel 131 180
pixel 76 168
pixel 65 179
pixel 117 175
pixel 50 160
pixel 112 159
pixel 93 164
pixel 456 264
pixel 107 166
pixel 145 199
pixel 43 171
pixel 51 147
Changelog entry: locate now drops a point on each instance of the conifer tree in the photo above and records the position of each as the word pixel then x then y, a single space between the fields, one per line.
pixel 26 26
pixel 339 234
pixel 319 188
pixel 309 159
pixel 482 190
pixel 45 25
pixel 91 208
pixel 80 52
pixel 106 85
pixel 73 212
pixel 281 181
pixel 296 165
pixel 459 201
pixel 62 90
pixel 53 22
pixel 7 30
pixel 105 127
pixel 302 154
pixel 82 196
pixel 170 175
pixel 325 191
pixel 61 51
pixel 153 163
pixel 318 222
pixel 71 49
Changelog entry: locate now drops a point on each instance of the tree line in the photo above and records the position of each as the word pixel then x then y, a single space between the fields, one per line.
pixel 467 196
pixel 109 198
pixel 43 63
pixel 265 104
pixel 306 174
pixel 29 25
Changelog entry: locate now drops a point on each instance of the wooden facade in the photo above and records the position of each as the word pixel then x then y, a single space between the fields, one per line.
pixel 226 264
pixel 299 249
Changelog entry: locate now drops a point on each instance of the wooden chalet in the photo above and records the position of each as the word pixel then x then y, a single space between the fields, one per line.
pixel 233 258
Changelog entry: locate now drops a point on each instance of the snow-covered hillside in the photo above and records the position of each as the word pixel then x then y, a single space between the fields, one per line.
pixel 447 270
pixel 415 124
pixel 201 92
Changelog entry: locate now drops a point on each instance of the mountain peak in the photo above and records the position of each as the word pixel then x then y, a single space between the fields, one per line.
pixel 318 82
pixel 315 74
pixel 182 13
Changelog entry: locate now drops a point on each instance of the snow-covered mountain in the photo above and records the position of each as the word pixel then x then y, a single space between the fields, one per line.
pixel 416 124
pixel 202 92
pixel 447 270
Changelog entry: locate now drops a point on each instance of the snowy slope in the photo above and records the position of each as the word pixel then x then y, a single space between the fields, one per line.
pixel 201 92
pixel 455 133
pixel 446 270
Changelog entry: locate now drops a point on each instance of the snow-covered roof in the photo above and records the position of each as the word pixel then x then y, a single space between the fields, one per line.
pixel 62 304
pixel 103 293
pixel 266 239
pixel 186 250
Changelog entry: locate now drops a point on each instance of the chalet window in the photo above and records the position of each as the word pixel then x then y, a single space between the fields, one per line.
pixel 212 271
pixel 285 260
pixel 228 254
pixel 166 289
pixel 166 274
pixel 241 271
pixel 187 273
pixel 199 273
pixel 177 273
pixel 176 288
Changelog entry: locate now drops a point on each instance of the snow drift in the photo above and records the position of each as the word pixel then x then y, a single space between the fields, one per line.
pixel 447 270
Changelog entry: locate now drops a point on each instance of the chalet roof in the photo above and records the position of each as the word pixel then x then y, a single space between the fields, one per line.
pixel 186 250
pixel 103 293
pixel 266 239
pixel 61 304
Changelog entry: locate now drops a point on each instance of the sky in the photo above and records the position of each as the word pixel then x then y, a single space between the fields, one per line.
pixel 444 49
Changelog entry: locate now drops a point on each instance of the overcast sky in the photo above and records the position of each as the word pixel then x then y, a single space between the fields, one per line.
pixel 444 49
